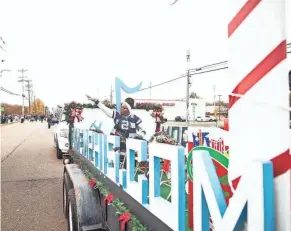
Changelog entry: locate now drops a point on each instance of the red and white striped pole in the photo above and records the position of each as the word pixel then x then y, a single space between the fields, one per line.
pixel 258 75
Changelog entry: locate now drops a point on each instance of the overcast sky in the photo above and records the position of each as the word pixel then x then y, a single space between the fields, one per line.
pixel 72 48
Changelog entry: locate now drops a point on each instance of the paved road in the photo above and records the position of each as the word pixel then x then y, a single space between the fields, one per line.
pixel 31 179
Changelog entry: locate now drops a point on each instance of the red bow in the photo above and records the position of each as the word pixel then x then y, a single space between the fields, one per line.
pixel 92 183
pixel 76 113
pixel 124 218
pixel 79 166
pixel 166 166
pixel 109 198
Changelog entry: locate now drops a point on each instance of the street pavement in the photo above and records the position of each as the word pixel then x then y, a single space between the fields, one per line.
pixel 31 175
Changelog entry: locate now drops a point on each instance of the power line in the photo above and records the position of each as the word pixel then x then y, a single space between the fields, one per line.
pixel 196 71
pixel 182 76
pixel 169 81
pixel 9 92
pixel 208 66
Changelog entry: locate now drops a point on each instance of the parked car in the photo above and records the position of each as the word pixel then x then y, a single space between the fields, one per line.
pixel 206 119
pixel 61 136
pixel 52 122
pixel 212 118
pixel 180 119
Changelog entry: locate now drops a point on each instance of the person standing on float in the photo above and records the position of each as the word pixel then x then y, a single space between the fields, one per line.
pixel 158 115
pixel 126 123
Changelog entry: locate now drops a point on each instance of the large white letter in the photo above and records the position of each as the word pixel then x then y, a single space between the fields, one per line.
pixel 172 213
pixel 98 151
pixel 111 157
pixel 254 195
pixel 138 190
pixel 91 147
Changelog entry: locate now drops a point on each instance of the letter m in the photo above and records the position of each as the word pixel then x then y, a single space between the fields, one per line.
pixel 253 201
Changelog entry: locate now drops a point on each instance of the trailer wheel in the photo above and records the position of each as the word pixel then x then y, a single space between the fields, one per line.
pixel 59 152
pixel 72 211
pixel 67 185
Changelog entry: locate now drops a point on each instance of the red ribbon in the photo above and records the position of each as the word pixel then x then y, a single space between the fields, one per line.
pixel 76 113
pixel 166 166
pixel 92 183
pixel 109 198
pixel 124 218
pixel 281 164
pixel 157 115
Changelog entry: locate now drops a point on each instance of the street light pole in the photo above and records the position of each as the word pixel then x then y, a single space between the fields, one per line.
pixel 187 86
pixel 219 106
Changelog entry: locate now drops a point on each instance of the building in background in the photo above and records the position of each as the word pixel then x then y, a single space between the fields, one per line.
pixel 174 108
pixel 217 111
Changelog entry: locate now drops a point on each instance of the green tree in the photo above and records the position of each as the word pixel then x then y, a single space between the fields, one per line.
pixel 194 95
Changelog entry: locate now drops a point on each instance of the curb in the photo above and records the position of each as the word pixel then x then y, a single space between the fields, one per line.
pixel 8 124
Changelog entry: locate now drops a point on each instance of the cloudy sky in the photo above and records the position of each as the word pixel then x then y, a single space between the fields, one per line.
pixel 72 48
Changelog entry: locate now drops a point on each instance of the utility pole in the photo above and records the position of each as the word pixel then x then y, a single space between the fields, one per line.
pixel 187 86
pixel 32 99
pixel 29 90
pixel 219 102
pixel 214 97
pixel 150 90
pixel 111 95
pixel 22 80
pixel 193 107
pixel 34 104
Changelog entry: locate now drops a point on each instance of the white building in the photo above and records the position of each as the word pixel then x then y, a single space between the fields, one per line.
pixel 174 108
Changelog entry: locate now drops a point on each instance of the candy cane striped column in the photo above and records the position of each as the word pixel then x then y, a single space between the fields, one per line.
pixel 258 73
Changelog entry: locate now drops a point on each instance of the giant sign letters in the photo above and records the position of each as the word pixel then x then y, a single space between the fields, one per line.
pixel 253 200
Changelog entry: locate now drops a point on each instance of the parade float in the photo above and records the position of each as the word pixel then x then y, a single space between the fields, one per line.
pixel 234 179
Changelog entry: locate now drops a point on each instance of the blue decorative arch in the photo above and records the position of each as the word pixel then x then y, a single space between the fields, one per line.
pixel 119 84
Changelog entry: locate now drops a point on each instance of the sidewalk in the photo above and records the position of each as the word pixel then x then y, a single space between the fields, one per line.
pixel 9 123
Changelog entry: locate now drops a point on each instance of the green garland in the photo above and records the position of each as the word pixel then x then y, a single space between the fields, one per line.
pixel 134 222
pixel 73 105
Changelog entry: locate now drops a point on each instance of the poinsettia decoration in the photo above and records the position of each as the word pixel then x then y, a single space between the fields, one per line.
pixel 164 138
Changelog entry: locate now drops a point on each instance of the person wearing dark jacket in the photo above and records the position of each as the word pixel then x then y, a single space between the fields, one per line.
pixel 126 123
